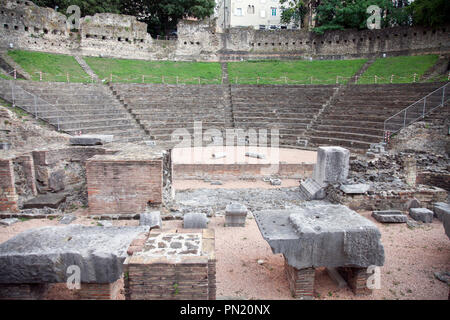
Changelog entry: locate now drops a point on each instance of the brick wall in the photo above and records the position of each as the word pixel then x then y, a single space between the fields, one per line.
pixel 123 186
pixel 440 179
pixel 236 171
pixel 8 195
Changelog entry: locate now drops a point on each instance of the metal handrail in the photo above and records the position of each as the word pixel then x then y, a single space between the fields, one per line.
pixel 424 111
pixel 36 108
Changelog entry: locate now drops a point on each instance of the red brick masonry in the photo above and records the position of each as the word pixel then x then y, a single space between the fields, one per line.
pixel 123 186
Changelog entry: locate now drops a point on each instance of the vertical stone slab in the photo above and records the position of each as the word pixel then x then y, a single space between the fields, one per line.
pixel 8 195
pixel 332 165
pixel 410 169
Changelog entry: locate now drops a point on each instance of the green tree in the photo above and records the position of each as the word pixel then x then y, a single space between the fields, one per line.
pixel 293 11
pixel 339 15
pixel 430 13
pixel 162 16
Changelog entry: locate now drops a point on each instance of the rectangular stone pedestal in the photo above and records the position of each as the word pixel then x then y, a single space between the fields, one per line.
pixel 172 266
pixel 301 282
pixel 356 279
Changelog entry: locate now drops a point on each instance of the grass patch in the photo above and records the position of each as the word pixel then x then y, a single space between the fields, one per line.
pixel 2 76
pixel 124 70
pixel 54 67
pixel 403 68
pixel 293 72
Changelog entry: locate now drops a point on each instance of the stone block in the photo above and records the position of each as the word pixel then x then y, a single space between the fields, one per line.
pixel 332 165
pixel 275 182
pixel 322 236
pixel 30 256
pixel 441 208
pixel 389 216
pixel 412 203
pixel 195 220
pixel 91 139
pixel 235 215
pixel 360 188
pixel 255 155
pixel 311 190
pixel 9 221
pixel 421 214
pixel 219 155
pixel 67 218
pixel 50 200
pixel 151 219
pixel 56 181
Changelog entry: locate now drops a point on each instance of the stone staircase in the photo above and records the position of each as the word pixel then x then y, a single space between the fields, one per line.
pixel 289 109
pixel 75 108
pixel 356 119
pixel 162 109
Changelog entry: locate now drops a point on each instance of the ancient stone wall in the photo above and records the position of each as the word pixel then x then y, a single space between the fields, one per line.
pixel 123 186
pixel 26 26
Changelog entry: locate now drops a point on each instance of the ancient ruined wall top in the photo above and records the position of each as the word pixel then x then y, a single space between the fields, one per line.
pixel 24 25
pixel 113 26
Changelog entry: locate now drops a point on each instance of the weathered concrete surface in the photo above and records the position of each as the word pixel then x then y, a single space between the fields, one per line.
pixel 322 236
pixel 91 139
pixel 151 219
pixel 441 208
pixel 50 200
pixel 389 216
pixel 332 165
pixel 195 220
pixel 359 188
pixel 421 214
pixel 43 255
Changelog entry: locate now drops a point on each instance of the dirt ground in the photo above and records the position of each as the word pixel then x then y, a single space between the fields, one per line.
pixel 412 257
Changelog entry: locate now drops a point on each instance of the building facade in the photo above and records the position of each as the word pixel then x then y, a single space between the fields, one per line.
pixel 259 14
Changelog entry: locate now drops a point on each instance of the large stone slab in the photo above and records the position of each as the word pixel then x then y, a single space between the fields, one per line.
pixel 421 214
pixel 43 255
pixel 390 216
pixel 91 139
pixel 322 236
pixel 235 214
pixel 441 208
pixel 50 200
pixel 332 165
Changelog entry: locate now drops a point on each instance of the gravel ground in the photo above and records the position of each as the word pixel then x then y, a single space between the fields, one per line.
pixel 412 257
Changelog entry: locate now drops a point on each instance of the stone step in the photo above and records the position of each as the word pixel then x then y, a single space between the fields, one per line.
pixel 331 141
pixel 348 136
pixel 361 130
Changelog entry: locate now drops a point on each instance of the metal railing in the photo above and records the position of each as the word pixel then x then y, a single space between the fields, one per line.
pixel 416 111
pixel 36 106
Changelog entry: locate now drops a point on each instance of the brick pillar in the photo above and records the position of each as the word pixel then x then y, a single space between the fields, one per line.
pixel 356 279
pixel 211 279
pixel 8 195
pixel 99 291
pixel 301 281
pixel 22 291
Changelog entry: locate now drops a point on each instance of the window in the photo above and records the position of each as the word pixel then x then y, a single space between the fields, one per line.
pixel 238 12
pixel 263 13
pixel 274 11
pixel 251 9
